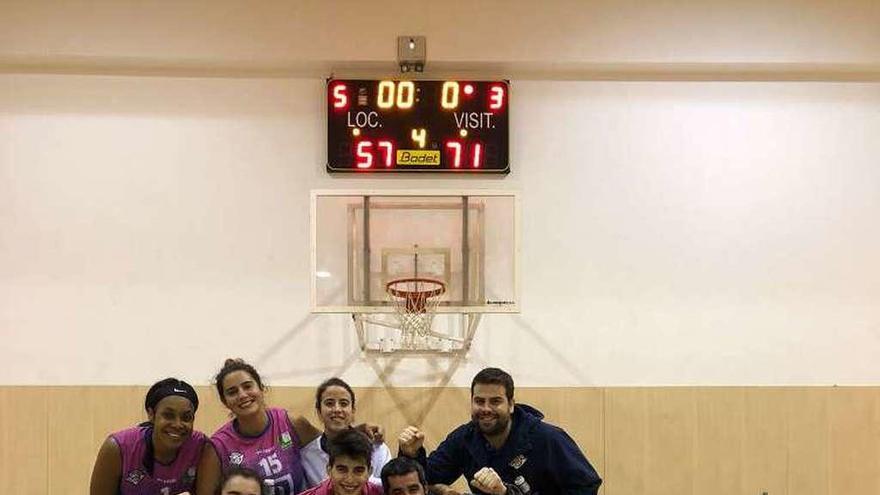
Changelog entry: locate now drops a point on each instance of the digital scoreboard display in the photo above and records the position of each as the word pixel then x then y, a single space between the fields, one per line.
pixel 455 127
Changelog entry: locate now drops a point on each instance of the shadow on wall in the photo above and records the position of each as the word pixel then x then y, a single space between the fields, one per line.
pixel 558 357
pixel 386 366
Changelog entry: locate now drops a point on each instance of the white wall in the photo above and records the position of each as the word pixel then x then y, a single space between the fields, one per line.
pixel 673 232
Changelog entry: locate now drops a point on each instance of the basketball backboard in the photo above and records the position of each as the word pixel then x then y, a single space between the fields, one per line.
pixel 363 240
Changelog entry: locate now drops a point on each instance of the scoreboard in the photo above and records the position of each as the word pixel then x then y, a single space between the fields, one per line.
pixel 392 126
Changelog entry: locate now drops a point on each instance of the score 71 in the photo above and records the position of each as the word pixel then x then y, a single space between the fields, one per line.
pixel 455 151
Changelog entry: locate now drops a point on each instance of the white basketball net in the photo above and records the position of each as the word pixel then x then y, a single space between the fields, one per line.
pixel 415 303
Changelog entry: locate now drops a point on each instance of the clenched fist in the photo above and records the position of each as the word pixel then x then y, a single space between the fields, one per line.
pixel 487 480
pixel 410 441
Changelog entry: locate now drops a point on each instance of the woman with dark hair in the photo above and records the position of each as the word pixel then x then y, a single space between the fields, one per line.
pixel 335 405
pixel 265 439
pixel 158 456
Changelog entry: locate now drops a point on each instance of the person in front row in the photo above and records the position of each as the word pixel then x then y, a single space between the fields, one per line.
pixel 240 481
pixel 158 456
pixel 403 476
pixel 348 468
pixel 335 405
pixel 506 448
pixel 265 439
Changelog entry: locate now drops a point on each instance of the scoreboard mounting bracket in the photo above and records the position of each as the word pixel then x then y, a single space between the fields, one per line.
pixel 411 53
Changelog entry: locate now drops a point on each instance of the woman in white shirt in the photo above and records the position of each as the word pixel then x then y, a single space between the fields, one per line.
pixel 335 403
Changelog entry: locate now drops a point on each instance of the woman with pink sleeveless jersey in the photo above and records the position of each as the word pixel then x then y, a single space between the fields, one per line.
pixel 158 457
pixel 265 439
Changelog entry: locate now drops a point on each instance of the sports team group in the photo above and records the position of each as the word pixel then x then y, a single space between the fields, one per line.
pixel 506 448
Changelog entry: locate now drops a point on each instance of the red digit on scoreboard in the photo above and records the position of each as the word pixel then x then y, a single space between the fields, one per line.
pixel 496 97
pixel 364 154
pixel 340 97
pixel 455 148
pixel 477 155
pixel 389 152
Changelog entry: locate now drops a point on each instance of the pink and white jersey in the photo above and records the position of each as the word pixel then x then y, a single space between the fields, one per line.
pixel 166 479
pixel 274 453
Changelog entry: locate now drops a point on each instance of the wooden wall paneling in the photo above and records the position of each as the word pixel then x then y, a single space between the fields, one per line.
pixel 626 422
pixel 23 440
pixel 212 413
pixel 397 408
pixel 79 420
pixel 111 408
pixel 71 446
pixel 583 417
pixel 298 401
pixel 808 441
pixel 437 411
pixel 579 411
pixel 719 440
pixel 785 440
pixel 854 457
pixel 671 432
pixel 765 441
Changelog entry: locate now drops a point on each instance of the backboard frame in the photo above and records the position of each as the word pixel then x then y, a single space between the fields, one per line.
pixel 487 307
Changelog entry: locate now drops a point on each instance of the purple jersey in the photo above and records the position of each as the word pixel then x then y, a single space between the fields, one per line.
pixel 273 453
pixel 167 479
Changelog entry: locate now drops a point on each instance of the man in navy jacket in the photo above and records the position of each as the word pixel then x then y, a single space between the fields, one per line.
pixel 506 448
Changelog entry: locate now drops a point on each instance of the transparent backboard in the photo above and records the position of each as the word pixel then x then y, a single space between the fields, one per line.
pixel 364 240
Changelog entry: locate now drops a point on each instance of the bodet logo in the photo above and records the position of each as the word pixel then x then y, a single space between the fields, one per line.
pixel 418 157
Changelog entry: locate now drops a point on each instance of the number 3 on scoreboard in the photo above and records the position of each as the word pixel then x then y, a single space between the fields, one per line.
pixel 496 97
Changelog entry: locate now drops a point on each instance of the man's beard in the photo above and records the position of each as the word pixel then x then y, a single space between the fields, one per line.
pixel 499 426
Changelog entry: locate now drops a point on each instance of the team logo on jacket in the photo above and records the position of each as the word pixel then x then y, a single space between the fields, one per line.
pixel 135 477
pixel 518 461
pixel 236 458
pixel 285 440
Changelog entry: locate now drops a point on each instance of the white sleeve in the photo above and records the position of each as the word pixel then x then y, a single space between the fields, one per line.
pixel 381 456
pixel 314 462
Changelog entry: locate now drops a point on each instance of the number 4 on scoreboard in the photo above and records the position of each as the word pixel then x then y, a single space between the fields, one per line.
pixel 419 136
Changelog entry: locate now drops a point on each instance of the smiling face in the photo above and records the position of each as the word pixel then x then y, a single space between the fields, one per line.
pixel 348 475
pixel 242 394
pixel 172 421
pixel 337 409
pixel 490 409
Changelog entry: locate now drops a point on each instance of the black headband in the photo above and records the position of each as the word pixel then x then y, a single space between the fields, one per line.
pixel 169 387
